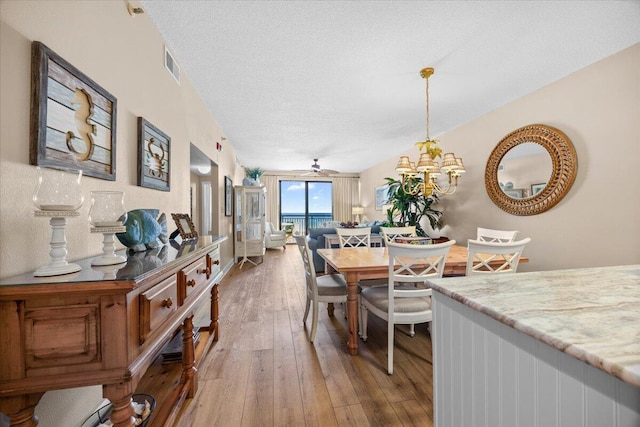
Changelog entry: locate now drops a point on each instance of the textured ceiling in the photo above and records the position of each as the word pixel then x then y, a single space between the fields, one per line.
pixel 291 81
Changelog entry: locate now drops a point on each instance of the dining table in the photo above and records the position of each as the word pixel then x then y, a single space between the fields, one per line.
pixel 364 263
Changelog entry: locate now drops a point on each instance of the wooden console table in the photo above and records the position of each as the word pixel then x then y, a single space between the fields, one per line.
pixel 106 325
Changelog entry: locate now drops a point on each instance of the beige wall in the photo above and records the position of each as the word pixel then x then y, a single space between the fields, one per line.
pixel 123 54
pixel 597 223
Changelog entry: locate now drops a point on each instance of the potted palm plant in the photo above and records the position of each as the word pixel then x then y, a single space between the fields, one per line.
pixel 408 209
pixel 252 176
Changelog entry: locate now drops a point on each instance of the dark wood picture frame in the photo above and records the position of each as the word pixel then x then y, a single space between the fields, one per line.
pixel 154 157
pixel 73 118
pixel 228 196
pixel 185 226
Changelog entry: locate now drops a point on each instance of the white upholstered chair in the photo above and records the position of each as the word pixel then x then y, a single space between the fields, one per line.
pixel 354 237
pixel 489 235
pixel 401 301
pixel 390 233
pixel 494 257
pixel 330 288
pixel 274 238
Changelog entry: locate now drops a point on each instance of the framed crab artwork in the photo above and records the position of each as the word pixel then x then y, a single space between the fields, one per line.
pixel 153 156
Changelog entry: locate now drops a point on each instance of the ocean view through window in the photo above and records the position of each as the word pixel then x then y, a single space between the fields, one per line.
pixel 306 204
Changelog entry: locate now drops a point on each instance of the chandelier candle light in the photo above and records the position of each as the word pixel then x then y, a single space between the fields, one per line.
pixel 424 177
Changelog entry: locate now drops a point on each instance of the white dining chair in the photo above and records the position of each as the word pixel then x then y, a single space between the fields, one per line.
pixel 354 237
pixel 401 301
pixel 494 257
pixel 390 233
pixel 330 288
pixel 490 235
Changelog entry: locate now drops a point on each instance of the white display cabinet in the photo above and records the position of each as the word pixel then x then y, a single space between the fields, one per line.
pixel 249 223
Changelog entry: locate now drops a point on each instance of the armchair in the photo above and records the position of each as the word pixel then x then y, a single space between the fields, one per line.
pixel 274 238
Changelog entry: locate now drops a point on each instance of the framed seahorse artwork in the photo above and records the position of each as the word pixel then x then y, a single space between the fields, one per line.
pixel 73 118
pixel 153 156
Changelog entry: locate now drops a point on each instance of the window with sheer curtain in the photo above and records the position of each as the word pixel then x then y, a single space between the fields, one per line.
pixel 344 192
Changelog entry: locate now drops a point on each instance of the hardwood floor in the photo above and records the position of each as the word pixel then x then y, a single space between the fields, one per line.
pixel 264 371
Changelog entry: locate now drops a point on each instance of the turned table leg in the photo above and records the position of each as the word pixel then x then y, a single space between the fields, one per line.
pixel 20 409
pixel 188 358
pixel 122 414
pixel 330 309
pixel 214 326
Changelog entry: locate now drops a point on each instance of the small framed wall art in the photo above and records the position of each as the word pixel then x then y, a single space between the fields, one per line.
pixel 73 119
pixel 382 196
pixel 228 196
pixel 153 157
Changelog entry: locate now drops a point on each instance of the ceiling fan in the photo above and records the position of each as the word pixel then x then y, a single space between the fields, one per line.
pixel 316 170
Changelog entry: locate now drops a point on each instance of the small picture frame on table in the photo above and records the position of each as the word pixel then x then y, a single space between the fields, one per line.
pixel 185 226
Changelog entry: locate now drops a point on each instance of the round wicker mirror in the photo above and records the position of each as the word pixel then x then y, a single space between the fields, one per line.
pixel 542 196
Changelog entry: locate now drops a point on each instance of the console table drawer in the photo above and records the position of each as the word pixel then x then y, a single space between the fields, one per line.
pixel 191 278
pixel 213 262
pixel 157 305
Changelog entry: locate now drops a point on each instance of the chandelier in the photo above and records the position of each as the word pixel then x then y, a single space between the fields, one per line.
pixel 424 177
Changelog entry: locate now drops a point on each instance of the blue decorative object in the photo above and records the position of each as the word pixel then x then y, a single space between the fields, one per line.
pixel 145 230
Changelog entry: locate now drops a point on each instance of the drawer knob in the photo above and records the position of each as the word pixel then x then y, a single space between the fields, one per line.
pixel 191 282
pixel 216 262
pixel 167 303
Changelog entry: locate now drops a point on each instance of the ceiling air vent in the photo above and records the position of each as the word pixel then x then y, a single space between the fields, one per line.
pixel 171 65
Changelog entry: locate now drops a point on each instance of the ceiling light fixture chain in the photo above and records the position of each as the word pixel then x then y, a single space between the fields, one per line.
pixel 424 177
pixel 426 73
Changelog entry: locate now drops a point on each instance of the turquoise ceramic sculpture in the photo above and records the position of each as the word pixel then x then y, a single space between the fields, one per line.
pixel 145 230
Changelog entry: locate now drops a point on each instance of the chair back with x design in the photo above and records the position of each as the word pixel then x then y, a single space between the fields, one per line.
pixel 417 263
pixel 390 233
pixel 500 236
pixel 494 257
pixel 407 299
pixel 354 237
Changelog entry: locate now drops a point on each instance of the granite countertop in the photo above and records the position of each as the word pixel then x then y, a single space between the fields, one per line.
pixel 592 314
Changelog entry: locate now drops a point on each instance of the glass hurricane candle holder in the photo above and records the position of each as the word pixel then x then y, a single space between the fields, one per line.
pixel 107 209
pixel 107 216
pixel 58 190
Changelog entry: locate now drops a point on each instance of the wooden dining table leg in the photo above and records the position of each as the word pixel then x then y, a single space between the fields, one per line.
pixel 352 312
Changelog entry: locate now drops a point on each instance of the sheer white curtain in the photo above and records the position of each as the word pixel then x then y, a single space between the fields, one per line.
pixel 344 190
pixel 345 196
pixel 272 184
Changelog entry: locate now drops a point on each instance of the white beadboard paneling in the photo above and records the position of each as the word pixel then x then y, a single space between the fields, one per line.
pixel 455 373
pixel 547 385
pixel 527 398
pixel 466 372
pixel 493 377
pixel 478 369
pixel 572 393
pixel 509 383
pixel 600 409
pixel 516 380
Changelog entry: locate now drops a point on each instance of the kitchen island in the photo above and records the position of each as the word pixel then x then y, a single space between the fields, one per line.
pixel 554 348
